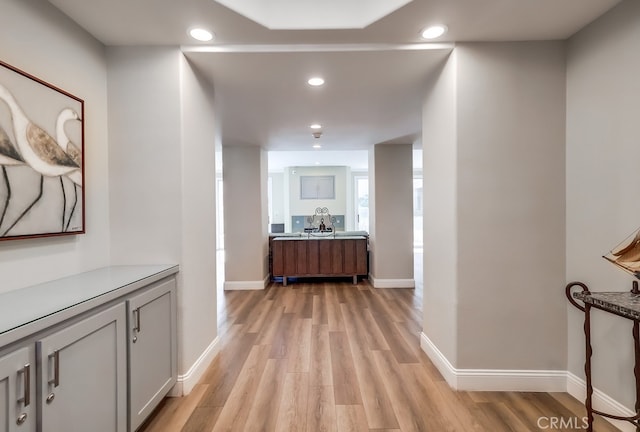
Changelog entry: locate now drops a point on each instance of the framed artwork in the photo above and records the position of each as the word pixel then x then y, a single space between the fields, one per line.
pixel 317 187
pixel 41 158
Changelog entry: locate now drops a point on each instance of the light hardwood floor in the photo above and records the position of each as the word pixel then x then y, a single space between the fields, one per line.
pixel 332 356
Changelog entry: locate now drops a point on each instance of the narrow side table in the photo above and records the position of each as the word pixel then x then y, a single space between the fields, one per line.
pixel 623 304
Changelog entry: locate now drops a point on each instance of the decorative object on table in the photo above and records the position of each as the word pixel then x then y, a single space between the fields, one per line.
pixel 41 158
pixel 626 255
pixel 626 305
pixel 321 223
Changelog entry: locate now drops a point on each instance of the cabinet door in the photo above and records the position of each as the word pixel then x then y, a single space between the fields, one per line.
pixel 17 389
pixel 82 375
pixel 152 349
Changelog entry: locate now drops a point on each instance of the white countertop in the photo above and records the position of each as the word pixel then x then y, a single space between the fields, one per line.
pixel 23 309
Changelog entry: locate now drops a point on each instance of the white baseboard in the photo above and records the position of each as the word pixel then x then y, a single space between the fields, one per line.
pixel 246 285
pixel 524 380
pixel 391 283
pixel 577 387
pixel 187 381
pixel 493 379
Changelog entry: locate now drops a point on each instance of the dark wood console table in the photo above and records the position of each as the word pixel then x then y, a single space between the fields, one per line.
pixel 319 257
pixel 624 304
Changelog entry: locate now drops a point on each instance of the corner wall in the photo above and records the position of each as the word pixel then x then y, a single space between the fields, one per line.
pixel 603 149
pixel 511 203
pixel 391 263
pixel 494 217
pixel 245 213
pixel 162 165
pixel 58 51
pixel 440 227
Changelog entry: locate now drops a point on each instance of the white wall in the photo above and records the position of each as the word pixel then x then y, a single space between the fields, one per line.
pixel 511 203
pixel 198 322
pixel 497 149
pixel 392 262
pixel 245 215
pixel 277 197
pixel 440 227
pixel 40 40
pixel 298 207
pixel 145 154
pixel 603 149
pixel 162 177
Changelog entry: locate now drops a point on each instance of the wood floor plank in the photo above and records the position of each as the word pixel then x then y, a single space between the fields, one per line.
pixel 339 289
pixel 289 299
pixel 320 372
pixel 299 358
pixel 334 316
pixel 351 418
pixel 176 412
pixel 269 330
pixel 259 317
pixel 321 409
pixel 409 415
pixel 578 410
pixel 248 308
pixel 375 337
pixel 282 339
pixel 377 406
pixel 398 346
pixel 264 410
pixel 236 409
pixel 319 313
pixel 292 415
pixel 345 382
pixel 306 309
pixel 225 369
pixel 379 305
pixel 426 395
pixel 202 419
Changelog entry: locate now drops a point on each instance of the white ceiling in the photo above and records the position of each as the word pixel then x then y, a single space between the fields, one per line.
pixel 313 14
pixel 374 75
pixel 357 160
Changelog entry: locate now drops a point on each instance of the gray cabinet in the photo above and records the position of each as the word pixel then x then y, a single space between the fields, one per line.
pixel 97 351
pixel 17 391
pixel 82 375
pixel 152 349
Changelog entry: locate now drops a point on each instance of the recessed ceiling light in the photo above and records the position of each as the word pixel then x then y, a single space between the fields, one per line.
pixel 316 126
pixel 434 31
pixel 315 81
pixel 317 146
pixel 201 34
pixel 317 163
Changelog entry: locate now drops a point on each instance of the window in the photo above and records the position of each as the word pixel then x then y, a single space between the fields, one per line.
pixel 362 202
pixel 317 187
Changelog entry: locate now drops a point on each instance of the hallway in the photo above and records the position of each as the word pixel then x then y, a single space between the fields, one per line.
pixel 331 356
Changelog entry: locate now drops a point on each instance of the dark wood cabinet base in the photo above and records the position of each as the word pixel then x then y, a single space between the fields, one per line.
pixel 319 257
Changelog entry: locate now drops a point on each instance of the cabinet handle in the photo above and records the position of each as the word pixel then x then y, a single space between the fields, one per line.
pixel 136 313
pixel 56 368
pixel 26 377
pixel 21 419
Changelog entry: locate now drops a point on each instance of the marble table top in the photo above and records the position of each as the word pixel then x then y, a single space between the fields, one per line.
pixel 625 304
